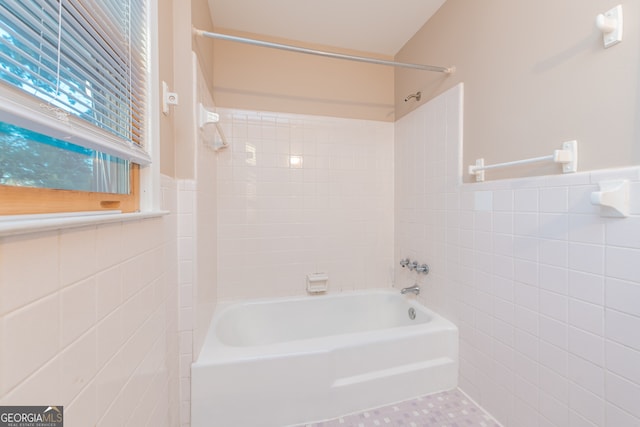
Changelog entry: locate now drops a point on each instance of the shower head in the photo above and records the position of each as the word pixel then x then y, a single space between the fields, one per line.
pixel 416 95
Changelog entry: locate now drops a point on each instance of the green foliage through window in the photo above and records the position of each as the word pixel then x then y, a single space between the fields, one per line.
pixel 29 159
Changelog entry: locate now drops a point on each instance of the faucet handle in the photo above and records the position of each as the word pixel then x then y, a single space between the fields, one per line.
pixel 413 265
pixel 424 268
pixel 404 262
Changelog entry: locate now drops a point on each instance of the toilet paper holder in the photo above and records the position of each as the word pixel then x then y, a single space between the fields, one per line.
pixel 613 198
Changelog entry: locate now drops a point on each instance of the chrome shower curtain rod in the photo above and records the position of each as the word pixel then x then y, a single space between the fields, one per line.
pixel 447 70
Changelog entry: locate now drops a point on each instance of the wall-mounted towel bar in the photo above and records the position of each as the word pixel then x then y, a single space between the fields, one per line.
pixel 568 156
pixel 255 42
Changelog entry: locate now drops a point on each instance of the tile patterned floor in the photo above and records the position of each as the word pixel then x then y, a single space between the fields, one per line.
pixel 447 409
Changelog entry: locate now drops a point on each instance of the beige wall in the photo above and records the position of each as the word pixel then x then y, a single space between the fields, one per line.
pixel 165 59
pixel 258 78
pixel 536 74
pixel 178 155
pixel 201 19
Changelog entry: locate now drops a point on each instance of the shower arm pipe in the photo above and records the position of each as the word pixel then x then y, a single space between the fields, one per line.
pixel 290 48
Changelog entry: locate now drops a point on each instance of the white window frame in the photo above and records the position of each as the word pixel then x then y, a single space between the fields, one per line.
pixel 150 182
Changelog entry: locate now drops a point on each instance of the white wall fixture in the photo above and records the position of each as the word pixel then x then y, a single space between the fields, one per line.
pixel 205 116
pixel 613 198
pixel 317 283
pixel 610 23
pixel 168 98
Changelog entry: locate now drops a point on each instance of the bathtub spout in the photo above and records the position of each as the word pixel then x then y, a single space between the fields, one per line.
pixel 415 289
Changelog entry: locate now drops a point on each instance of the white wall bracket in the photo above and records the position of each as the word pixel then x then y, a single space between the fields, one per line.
pixel 205 116
pixel 613 198
pixel 168 98
pixel 478 170
pixel 610 23
pixel 568 156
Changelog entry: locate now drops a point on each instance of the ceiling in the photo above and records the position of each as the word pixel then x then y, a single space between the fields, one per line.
pixel 377 26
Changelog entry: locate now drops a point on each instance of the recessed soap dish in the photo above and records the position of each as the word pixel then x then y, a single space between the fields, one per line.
pixel 317 283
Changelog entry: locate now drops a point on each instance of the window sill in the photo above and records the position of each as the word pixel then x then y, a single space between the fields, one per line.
pixel 24 224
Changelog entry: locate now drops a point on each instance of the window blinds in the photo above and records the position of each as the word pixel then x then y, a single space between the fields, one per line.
pixel 76 70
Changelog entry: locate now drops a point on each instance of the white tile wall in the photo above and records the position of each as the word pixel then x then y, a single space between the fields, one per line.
pixel 302 194
pixel 196 253
pixel 186 237
pixel 88 321
pixel 561 329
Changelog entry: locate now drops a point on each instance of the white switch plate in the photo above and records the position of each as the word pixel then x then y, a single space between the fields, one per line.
pixel 614 37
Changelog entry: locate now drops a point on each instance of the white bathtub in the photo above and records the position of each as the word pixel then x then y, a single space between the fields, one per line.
pixel 279 362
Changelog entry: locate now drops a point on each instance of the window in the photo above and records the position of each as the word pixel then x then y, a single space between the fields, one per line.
pixel 72 104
